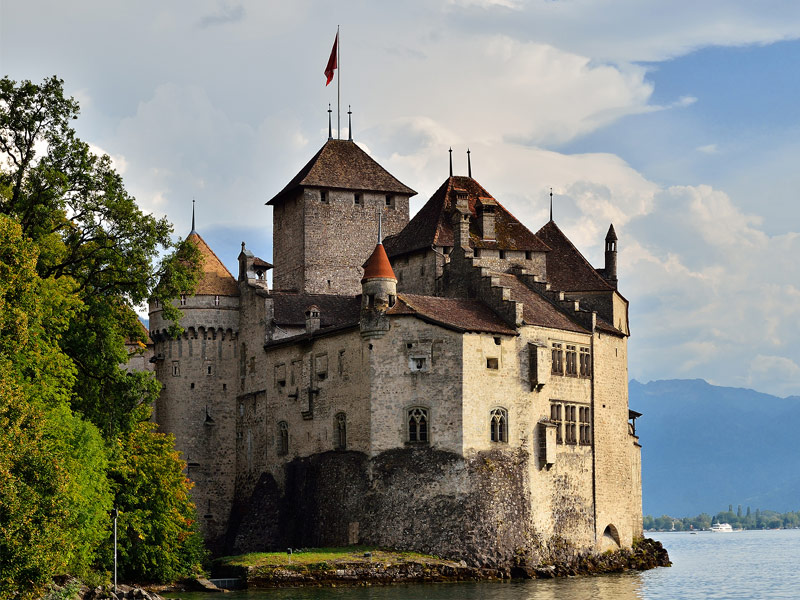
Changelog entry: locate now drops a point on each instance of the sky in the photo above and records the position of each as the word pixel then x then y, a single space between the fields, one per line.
pixel 678 121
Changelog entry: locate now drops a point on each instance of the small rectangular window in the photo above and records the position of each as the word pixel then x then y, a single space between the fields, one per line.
pixel 527 254
pixel 389 200
pixel 323 196
pixel 357 199
pixel 280 376
pixel 557 359
pixel 572 361
pixel 502 254
pixel 216 300
pixel 492 363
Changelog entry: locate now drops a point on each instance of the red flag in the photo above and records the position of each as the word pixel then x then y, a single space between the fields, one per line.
pixel 332 62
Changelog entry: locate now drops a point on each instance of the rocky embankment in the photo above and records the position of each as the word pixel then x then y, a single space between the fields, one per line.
pixel 385 568
pixel 72 589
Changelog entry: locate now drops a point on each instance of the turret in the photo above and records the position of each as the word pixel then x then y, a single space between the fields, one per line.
pixel 378 293
pixel 610 272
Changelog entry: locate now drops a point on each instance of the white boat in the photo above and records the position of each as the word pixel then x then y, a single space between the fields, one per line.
pixel 722 528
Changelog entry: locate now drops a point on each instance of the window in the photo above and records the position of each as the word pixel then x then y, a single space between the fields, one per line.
pixel 283 438
pixel 389 200
pixel 502 254
pixel 555 417
pixel 492 363
pixel 418 425
pixel 356 199
pixel 341 364
pixel 209 369
pixel 176 368
pixel 280 376
pixel 392 300
pixel 216 300
pixel 340 434
pixel 477 252
pixel 323 196
pixel 585 428
pixel 499 425
pixel 155 303
pixel 527 254
pixel 417 363
pixel 183 299
pixel 586 363
pixel 569 424
pixel 558 364
pixel 572 361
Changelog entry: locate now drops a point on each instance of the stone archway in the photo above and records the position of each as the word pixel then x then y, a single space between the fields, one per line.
pixel 610 539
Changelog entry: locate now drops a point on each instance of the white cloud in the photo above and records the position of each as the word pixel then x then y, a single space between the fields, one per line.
pixel 708 149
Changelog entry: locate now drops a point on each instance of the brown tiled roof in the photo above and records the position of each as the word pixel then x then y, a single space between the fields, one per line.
pixel 378 265
pixel 216 279
pixel 431 225
pixel 567 269
pixel 334 311
pixel 258 262
pixel 536 309
pixel 341 164
pixel 460 314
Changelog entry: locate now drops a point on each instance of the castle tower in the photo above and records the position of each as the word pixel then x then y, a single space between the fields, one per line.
pixel 378 293
pixel 319 219
pixel 610 271
pixel 197 403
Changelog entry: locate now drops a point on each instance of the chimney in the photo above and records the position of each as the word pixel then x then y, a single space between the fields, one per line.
pixel 246 260
pixel 312 318
pixel 486 208
pixel 460 220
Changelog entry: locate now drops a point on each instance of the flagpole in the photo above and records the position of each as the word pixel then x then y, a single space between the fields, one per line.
pixel 338 87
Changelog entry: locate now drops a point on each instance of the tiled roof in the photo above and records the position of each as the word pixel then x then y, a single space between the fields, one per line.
pixel 378 265
pixel 537 310
pixel 460 314
pixel 341 164
pixel 216 280
pixel 258 262
pixel 567 269
pixel 334 311
pixel 431 226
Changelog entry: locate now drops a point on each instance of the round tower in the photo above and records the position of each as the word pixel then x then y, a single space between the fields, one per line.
pixel 197 372
pixel 378 293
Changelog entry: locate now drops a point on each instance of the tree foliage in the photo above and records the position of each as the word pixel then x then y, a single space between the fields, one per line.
pixel 76 256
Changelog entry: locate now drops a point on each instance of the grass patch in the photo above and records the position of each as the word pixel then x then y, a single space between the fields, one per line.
pixel 325 558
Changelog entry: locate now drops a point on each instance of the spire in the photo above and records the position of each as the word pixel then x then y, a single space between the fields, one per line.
pixel 330 131
pixel 193 229
pixel 349 124
pixel 551 205
pixel 469 165
pixel 451 161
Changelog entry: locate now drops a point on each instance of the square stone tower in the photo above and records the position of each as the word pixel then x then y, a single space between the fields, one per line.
pixel 326 218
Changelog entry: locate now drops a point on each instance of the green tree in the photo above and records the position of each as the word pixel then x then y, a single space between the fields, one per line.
pixel 76 256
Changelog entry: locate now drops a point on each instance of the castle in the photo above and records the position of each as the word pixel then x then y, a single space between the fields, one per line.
pixel 453 383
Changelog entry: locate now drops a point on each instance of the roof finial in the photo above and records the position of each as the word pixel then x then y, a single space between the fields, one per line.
pixel 380 226
pixel 330 131
pixel 193 230
pixel 451 161
pixel 551 204
pixel 469 165
pixel 349 124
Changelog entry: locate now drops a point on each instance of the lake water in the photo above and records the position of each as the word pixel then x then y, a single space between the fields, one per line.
pixel 746 564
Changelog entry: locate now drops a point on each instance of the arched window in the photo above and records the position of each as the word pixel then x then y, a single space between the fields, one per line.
pixel 340 433
pixel 418 425
pixel 283 437
pixel 499 425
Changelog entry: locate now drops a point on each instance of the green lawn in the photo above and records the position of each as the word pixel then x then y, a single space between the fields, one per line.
pixel 316 556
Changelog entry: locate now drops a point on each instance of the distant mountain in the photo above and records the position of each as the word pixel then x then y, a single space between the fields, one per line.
pixel 705 447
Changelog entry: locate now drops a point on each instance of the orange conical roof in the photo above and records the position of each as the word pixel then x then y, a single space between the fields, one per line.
pixel 378 265
pixel 215 278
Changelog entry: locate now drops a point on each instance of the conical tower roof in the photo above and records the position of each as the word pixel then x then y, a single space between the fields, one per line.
pixel 216 280
pixel 378 265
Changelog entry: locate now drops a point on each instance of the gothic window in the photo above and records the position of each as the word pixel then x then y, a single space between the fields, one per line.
pixel 586 363
pixel 176 368
pixel 283 438
pixel 418 425
pixel 499 425
pixel 572 361
pixel 340 435
pixel 585 430
pixel 569 424
pixel 558 359
pixel 555 418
